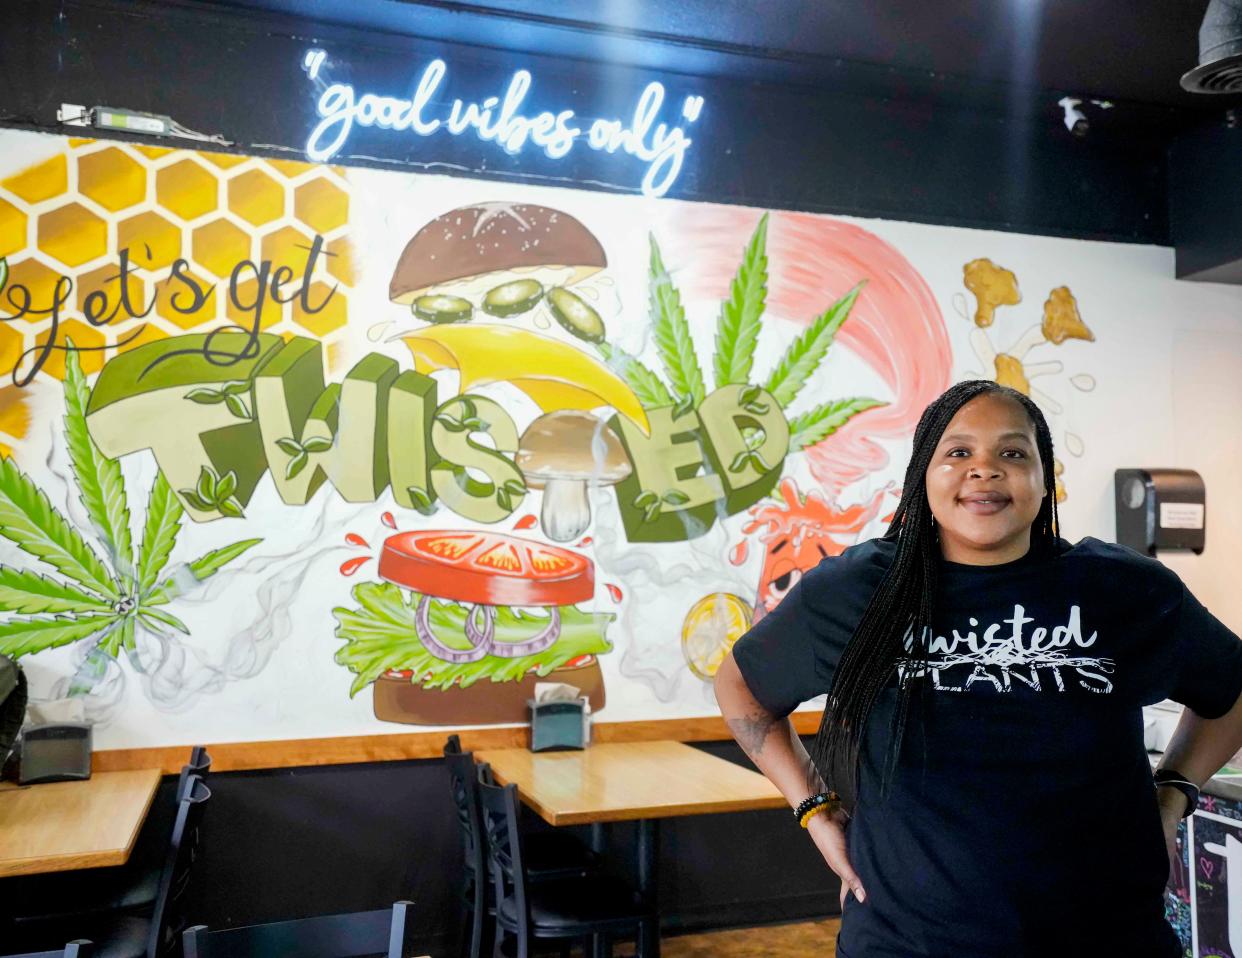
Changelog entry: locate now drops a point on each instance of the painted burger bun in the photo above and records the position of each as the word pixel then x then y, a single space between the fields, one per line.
pixel 493 243
pixel 396 699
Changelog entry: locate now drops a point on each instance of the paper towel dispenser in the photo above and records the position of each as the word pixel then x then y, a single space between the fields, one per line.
pixel 1160 509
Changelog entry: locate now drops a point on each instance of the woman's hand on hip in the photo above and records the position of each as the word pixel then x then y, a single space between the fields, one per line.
pixel 1171 803
pixel 828 833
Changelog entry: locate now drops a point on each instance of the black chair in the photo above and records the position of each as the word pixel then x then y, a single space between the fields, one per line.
pixel 586 907
pixel 549 855
pixel 75 949
pixel 139 882
pixel 156 936
pixel 474 872
pixel 13 698
pixel 199 764
pixel 329 936
pixel 129 888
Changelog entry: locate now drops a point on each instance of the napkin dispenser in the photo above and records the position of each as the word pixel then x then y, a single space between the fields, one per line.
pixel 560 718
pixel 1160 509
pixel 58 752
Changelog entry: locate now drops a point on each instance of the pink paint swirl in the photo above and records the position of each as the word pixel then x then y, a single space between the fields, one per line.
pixel 896 326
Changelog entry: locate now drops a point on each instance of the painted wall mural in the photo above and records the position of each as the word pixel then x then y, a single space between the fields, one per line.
pixel 992 287
pixel 294 450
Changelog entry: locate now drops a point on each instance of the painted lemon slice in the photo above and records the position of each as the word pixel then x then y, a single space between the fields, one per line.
pixel 710 628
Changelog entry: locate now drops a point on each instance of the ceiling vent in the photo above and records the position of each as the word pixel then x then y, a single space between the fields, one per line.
pixel 1220 50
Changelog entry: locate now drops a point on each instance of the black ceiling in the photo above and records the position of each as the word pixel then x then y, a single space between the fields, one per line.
pixel 1125 50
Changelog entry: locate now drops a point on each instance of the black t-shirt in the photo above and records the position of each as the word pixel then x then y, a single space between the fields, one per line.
pixel 1021 819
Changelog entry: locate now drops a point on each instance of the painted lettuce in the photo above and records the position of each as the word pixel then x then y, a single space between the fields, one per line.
pixel 380 636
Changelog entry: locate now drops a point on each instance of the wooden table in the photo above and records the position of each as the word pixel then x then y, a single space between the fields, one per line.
pixel 60 826
pixel 630 781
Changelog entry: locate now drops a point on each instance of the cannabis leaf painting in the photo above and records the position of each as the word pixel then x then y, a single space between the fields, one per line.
pixel 103 599
pixel 737 333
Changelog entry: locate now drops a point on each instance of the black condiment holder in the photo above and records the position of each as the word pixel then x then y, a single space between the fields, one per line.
pixel 559 725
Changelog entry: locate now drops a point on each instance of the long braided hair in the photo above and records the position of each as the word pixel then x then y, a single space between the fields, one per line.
pixel 904 602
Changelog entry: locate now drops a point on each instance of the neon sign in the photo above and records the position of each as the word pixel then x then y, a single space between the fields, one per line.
pixel 501 120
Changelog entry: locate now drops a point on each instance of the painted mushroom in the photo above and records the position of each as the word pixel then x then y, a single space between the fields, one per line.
pixel 563 453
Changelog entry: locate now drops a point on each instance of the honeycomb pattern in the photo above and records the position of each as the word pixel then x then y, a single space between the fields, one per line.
pixel 226 161
pixel 154 152
pixel 112 178
pixel 186 189
pixel 321 205
pixel 11 345
pixel 139 336
pixel 14 413
pixel 73 235
pixel 287 247
pixel 220 245
pixel 72 214
pixel 87 339
pixel 341 260
pixel 243 315
pixel 153 242
pixel 290 168
pixel 39 282
pixel 176 302
pixel 12 229
pixel 256 197
pixel 40 182
pixel 329 317
pixel 107 280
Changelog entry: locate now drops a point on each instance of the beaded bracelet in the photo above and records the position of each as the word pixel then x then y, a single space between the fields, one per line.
pixel 808 808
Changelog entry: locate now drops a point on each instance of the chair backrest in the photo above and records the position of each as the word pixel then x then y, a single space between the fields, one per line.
pixel 166 917
pixel 13 697
pixel 503 840
pixel 329 936
pixel 462 779
pixel 81 948
pixel 199 764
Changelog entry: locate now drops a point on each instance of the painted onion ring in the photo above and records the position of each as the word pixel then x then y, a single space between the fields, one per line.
pixel 479 639
pixel 533 645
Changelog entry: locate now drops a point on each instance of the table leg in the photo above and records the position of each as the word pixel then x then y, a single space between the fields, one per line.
pixel 599 844
pixel 648 880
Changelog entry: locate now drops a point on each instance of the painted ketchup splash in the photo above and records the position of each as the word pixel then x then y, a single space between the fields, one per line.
pixel 356 540
pixel 614 591
pixel 587 540
pixel 388 520
pixel 350 566
pixel 737 555
pixel 526 522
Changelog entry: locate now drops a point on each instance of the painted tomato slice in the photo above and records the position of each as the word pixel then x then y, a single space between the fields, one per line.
pixel 486 567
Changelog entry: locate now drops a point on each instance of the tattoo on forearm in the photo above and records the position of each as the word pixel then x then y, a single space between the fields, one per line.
pixel 751 731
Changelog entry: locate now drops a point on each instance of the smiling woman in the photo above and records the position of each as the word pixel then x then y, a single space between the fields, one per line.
pixel 984 676
pixel 978 492
pixel 985 482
